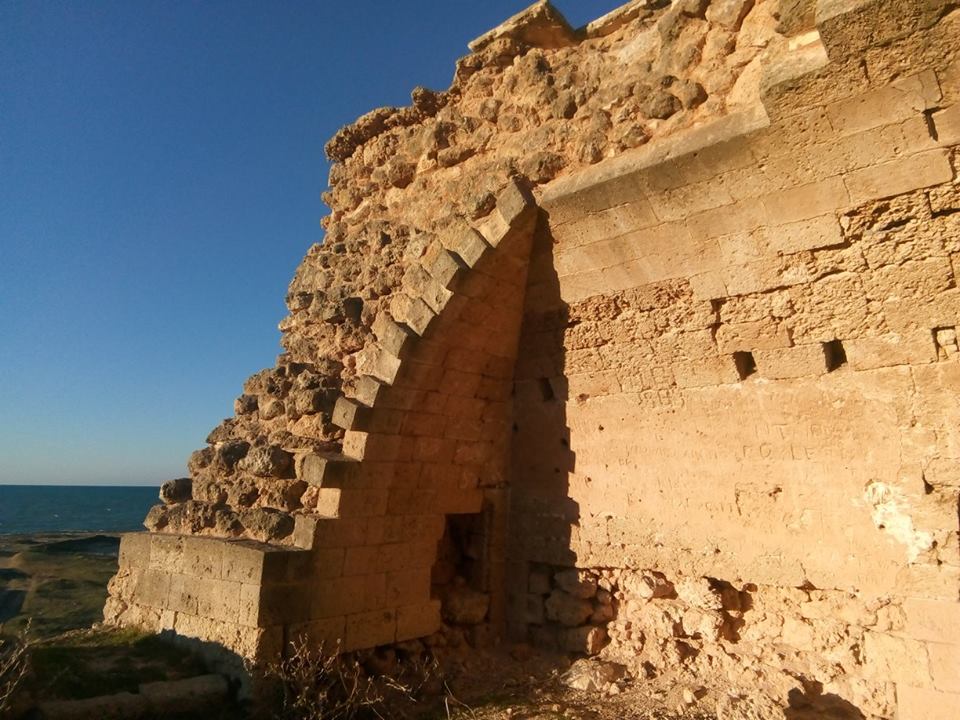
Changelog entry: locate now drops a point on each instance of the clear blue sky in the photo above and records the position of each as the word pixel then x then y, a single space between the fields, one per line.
pixel 161 165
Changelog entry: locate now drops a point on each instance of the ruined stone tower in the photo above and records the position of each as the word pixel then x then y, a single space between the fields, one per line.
pixel 640 340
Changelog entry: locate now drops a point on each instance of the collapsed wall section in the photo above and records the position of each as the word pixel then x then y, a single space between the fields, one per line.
pixel 426 438
pixel 742 344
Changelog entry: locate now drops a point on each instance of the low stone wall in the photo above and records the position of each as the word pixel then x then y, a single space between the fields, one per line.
pixel 236 594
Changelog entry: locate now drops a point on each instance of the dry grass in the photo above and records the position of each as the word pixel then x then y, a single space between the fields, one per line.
pixel 322 684
pixel 14 663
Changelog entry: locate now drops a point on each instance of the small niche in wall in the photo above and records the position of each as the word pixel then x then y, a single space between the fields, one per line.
pixel 353 309
pixel 745 364
pixel 834 355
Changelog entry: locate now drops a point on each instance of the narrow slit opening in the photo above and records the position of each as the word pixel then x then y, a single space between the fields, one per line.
pixel 834 354
pixel 746 365
pixel 546 390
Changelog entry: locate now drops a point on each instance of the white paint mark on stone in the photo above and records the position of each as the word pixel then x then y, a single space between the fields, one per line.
pixel 890 513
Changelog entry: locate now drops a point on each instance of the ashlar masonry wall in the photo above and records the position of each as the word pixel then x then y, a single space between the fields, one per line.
pixel 737 393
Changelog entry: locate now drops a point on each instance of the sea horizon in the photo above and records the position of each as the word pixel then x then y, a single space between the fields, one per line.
pixel 26 509
pixel 78 485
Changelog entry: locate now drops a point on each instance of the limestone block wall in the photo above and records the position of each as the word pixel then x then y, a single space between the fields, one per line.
pixel 737 387
pixel 226 594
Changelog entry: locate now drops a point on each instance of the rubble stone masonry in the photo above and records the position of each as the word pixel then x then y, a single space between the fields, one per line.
pixel 666 307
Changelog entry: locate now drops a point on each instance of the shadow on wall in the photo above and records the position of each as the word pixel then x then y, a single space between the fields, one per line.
pixel 812 703
pixel 544 517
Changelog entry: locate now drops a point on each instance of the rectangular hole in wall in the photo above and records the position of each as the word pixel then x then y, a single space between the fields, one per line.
pixel 834 355
pixel 746 365
pixel 459 577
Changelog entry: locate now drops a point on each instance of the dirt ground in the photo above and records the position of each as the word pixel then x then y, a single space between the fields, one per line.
pixel 498 686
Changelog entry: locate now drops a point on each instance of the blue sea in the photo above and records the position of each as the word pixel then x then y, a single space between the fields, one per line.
pixel 27 509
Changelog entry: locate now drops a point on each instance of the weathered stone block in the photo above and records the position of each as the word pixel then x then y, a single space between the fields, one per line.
pixel 540 25
pixel 202 557
pixel 513 203
pixel 890 350
pixel 805 201
pixel 708 286
pixel 419 283
pixel 444 266
pixel 566 609
pixel 366 389
pixel 408 587
pixel 369 629
pixel 898 101
pixel 459 500
pixel 931 620
pixel 417 621
pixel 494 230
pixel 396 339
pixel 135 550
pixel 534 612
pixel 848 27
pixel 705 372
pixel 763 334
pixel 588 640
pixel 350 594
pixel 465 606
pixel 945 663
pixel 166 552
pixel 351 415
pixel 242 561
pixel 153 589
pixel 578 583
pixel 284 604
pixel 900 176
pixel 467 244
pixel 332 471
pixel 898 659
pixel 947 124
pixel 413 312
pixel 915 703
pixel 811 234
pixel 219 600
pixel 793 362
pixel 184 592
pixel 326 634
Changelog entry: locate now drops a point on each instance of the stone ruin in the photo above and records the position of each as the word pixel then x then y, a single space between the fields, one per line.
pixel 639 341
